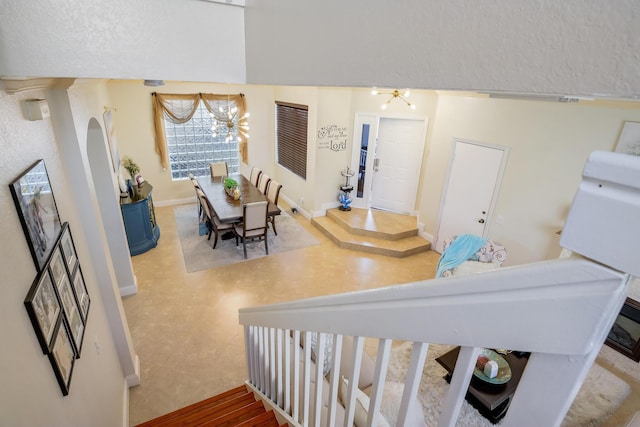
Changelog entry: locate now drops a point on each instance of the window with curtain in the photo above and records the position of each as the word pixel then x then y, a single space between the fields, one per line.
pixel 191 146
pixel 189 137
pixel 291 137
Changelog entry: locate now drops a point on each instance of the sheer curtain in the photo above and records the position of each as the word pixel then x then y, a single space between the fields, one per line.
pixel 180 108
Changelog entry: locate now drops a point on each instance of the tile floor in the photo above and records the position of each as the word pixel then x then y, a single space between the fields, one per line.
pixel 185 327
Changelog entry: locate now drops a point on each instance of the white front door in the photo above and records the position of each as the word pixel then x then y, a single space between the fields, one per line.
pixel 397 162
pixel 473 181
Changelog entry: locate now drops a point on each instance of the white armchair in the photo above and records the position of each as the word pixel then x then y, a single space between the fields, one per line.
pixel 488 257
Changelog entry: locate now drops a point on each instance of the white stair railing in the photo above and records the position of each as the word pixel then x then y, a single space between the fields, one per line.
pixel 560 311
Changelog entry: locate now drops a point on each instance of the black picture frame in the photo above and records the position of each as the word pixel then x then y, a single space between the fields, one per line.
pixel 36 206
pixel 44 309
pixel 68 248
pixel 62 355
pixel 82 295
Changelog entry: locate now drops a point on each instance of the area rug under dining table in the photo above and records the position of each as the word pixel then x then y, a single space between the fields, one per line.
pixel 199 255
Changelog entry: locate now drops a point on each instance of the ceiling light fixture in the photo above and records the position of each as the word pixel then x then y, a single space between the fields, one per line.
pixel 394 94
pixel 227 121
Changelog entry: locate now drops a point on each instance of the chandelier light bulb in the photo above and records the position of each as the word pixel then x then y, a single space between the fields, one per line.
pixel 384 106
pixel 374 92
pixel 413 107
pixel 407 93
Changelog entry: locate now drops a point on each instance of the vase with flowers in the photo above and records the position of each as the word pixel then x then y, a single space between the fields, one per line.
pixel 133 169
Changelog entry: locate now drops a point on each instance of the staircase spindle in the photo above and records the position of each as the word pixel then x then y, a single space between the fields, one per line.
pixel 414 375
pixel 459 385
pixel 379 377
pixel 334 378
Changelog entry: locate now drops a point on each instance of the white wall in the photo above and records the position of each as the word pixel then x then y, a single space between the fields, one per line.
pixel 144 39
pixel 574 46
pixel 30 395
pixel 549 144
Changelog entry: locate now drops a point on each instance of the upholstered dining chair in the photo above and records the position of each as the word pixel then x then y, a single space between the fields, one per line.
pixel 213 223
pixel 254 225
pixel 219 169
pixel 273 193
pixel 196 187
pixel 263 183
pixel 255 176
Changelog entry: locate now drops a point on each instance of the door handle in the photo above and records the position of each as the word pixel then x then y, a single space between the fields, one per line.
pixel 376 162
pixel 481 221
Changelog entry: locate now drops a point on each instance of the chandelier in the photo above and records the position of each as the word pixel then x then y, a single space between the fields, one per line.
pixel 395 94
pixel 227 121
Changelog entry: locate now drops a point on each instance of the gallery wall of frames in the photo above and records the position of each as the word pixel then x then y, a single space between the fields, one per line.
pixel 57 302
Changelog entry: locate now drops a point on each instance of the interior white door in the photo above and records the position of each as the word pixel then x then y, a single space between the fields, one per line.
pixel 470 190
pixel 396 168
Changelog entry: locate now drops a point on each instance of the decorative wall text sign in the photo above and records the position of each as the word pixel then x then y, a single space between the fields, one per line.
pixel 332 137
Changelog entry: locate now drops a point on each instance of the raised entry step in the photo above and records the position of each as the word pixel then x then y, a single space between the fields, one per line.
pixel 373 231
pixel 234 408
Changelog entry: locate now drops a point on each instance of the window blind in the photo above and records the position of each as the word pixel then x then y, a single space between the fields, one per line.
pixel 291 137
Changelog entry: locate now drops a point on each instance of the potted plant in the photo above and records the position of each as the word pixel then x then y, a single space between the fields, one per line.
pixel 133 169
pixel 231 188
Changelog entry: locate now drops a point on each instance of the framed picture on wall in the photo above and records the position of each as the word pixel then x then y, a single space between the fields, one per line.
pixel 44 309
pixel 33 197
pixel 62 356
pixel 82 296
pixel 111 139
pixel 57 267
pixel 68 248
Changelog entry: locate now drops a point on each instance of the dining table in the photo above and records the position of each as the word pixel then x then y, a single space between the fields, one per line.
pixel 225 207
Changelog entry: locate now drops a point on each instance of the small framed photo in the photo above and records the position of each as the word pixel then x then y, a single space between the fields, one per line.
pixel 33 197
pixel 76 328
pixel 62 356
pixel 68 248
pixel 66 296
pixel 44 309
pixel 56 266
pixel 82 296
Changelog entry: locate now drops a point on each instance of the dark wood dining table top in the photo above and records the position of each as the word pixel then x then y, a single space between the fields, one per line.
pixel 225 207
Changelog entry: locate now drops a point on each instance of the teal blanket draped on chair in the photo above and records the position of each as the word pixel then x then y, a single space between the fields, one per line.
pixel 459 251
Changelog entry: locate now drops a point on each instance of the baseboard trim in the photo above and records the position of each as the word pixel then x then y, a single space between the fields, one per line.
pixel 173 202
pixel 129 290
pixel 125 405
pixel 134 379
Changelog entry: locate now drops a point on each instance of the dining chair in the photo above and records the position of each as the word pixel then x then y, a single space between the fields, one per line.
pixel 254 225
pixel 196 187
pixel 213 222
pixel 255 175
pixel 263 183
pixel 273 193
pixel 219 169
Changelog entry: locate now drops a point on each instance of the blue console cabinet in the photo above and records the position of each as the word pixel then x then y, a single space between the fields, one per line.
pixel 140 220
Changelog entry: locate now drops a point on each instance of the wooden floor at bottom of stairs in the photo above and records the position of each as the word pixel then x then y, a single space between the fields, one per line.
pixel 233 408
